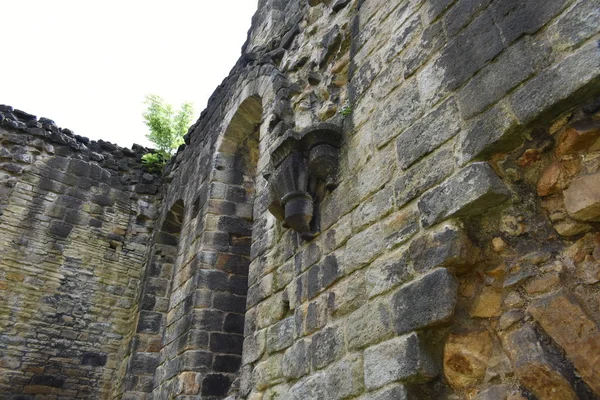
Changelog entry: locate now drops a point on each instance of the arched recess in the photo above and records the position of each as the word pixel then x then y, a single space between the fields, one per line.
pixel 202 345
pixel 228 235
pixel 153 307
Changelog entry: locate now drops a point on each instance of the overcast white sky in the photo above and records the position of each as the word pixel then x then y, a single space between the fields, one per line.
pixel 87 64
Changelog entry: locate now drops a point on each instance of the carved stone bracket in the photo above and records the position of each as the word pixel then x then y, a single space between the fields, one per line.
pixel 304 166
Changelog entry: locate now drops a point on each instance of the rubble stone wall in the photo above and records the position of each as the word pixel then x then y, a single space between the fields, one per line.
pixel 453 248
pixel 75 222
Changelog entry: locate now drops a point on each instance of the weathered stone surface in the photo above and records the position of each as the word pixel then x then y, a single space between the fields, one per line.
pixel 466 53
pixel 553 91
pixel 424 175
pixel 526 17
pixel 367 325
pixel 344 378
pixel 427 134
pixel 579 137
pixel 581 342
pixel 582 198
pixel 387 272
pixel 396 392
pixel 428 301
pixel 512 67
pixel 403 359
pixel 487 304
pixel 473 190
pixel 466 358
pixel 86 231
pixel 296 360
pixel 536 369
pixel 447 246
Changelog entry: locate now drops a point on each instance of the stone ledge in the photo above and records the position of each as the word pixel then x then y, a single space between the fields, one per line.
pixel 471 191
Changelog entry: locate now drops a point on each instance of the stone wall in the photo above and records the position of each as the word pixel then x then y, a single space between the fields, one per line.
pixel 75 220
pixel 383 200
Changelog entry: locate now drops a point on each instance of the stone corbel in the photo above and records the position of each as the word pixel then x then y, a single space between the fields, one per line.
pixel 304 167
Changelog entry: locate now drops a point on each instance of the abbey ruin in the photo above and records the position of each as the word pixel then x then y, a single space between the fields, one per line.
pixel 384 200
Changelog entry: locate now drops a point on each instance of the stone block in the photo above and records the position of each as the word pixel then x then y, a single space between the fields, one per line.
pixel 538 370
pixel 373 209
pixel 348 295
pixel 344 378
pixel 254 346
pixel 215 385
pixel 326 346
pixel 428 301
pixel 466 358
pixel 281 335
pixel 312 387
pixel 581 136
pixel 369 324
pixel 493 82
pixel 423 175
pixel 434 8
pixel 559 88
pixel 427 134
pixel 582 198
pixel 150 322
pixel 572 329
pixel 524 17
pixel 494 131
pixel 387 272
pixel 226 343
pixel 446 246
pixel 471 191
pixel 575 25
pixel 60 229
pixel 470 50
pixel 461 13
pixel 297 360
pixel 432 39
pixel 402 359
pixel 268 372
pixel 143 363
pixel 398 111
pixel 395 392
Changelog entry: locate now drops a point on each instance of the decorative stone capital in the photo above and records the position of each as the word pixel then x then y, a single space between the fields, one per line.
pixel 304 166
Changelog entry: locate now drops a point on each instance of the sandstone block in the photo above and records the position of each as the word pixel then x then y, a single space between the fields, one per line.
pixel 368 324
pixel 582 198
pixel 555 90
pixel 513 66
pixel 447 246
pixel 296 360
pixel 471 191
pixel 566 322
pixel 403 359
pixel 537 370
pixel 466 358
pixel 427 134
pixel 425 302
pixel 396 392
pixel 579 137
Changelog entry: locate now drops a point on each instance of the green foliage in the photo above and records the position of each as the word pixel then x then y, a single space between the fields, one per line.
pixel 167 126
pixel 154 162
pixel 346 109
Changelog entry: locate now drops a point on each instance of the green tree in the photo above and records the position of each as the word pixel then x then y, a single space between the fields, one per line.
pixel 167 128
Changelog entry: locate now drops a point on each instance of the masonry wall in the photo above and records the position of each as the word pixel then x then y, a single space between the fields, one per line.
pixel 455 254
pixel 75 217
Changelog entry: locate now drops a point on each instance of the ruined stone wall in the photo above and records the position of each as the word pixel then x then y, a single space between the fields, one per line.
pixel 75 218
pixel 385 199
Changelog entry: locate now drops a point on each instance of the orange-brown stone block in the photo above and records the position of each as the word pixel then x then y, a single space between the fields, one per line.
pixel 567 323
pixel 466 357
